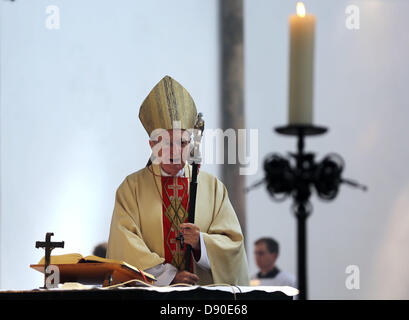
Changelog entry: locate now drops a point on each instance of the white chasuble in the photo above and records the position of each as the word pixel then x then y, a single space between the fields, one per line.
pixel 148 211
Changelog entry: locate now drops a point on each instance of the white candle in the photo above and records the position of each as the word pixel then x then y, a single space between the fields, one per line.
pixel 302 30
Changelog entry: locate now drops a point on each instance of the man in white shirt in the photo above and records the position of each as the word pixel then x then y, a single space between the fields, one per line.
pixel 266 252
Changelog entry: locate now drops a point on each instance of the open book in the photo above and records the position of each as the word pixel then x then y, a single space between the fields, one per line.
pixel 94 269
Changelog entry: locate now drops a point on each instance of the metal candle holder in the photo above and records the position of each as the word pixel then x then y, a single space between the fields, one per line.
pixel 296 176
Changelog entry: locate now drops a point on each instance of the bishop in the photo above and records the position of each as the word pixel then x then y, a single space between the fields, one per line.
pixel 151 204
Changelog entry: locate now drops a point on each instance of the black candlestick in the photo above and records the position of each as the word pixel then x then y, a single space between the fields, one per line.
pixel 296 176
pixel 302 207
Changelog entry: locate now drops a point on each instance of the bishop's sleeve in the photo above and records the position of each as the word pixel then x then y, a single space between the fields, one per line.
pixel 224 242
pixel 125 239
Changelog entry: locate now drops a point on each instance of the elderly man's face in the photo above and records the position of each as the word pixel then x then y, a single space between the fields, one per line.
pixel 171 149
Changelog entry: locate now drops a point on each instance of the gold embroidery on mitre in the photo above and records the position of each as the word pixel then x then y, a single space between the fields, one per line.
pixel 167 103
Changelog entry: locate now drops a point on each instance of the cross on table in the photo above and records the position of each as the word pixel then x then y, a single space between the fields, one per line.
pixel 48 245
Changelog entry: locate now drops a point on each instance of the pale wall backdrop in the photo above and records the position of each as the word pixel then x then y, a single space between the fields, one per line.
pixel 70 132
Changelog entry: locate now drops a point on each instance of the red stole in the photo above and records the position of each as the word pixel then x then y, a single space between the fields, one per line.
pixel 175 194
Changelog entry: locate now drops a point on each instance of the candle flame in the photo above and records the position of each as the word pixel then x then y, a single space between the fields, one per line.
pixel 300 9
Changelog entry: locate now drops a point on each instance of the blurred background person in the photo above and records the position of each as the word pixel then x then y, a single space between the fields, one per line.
pixel 100 250
pixel 266 252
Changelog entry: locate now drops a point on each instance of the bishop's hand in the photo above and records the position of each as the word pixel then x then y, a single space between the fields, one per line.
pixel 185 277
pixel 191 235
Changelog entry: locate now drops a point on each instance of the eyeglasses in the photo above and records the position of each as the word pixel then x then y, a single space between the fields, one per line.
pixel 182 144
pixel 168 144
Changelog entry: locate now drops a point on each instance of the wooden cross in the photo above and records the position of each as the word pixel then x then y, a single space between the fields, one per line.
pixel 48 245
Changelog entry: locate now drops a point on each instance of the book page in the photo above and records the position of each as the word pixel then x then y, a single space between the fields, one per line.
pixel 63 259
